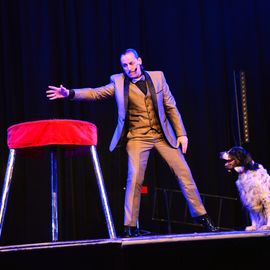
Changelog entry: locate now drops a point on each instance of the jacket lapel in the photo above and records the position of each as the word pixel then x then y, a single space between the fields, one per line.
pixel 151 88
pixel 126 86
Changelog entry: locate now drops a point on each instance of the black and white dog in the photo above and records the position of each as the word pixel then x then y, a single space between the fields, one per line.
pixel 253 184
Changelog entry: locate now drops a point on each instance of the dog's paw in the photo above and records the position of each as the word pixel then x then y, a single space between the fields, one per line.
pixel 250 228
pixel 265 227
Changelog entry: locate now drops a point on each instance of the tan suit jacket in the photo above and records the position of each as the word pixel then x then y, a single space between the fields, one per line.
pixel 164 103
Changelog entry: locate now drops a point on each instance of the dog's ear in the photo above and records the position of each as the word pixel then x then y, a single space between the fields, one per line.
pixel 242 156
pixel 247 160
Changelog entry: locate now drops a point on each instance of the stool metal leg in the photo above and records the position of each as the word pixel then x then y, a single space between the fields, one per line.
pixel 103 194
pixel 6 187
pixel 54 196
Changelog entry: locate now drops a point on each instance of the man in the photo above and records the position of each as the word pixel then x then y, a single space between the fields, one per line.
pixel 145 107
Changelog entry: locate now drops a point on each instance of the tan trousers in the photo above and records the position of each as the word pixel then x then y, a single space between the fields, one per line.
pixel 138 153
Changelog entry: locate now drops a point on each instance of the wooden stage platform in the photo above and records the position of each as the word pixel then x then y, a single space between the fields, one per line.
pixel 233 250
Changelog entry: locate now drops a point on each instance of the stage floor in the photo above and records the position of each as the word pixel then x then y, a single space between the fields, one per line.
pixel 142 240
pixel 234 249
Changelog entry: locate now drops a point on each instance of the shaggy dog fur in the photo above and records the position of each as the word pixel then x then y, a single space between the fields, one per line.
pixel 253 184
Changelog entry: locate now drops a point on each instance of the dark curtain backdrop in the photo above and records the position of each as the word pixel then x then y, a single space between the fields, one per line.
pixel 197 44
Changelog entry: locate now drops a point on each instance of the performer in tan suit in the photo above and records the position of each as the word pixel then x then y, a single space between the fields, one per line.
pixel 147 118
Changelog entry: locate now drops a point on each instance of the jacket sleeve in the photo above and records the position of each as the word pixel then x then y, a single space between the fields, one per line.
pixel 88 94
pixel 171 109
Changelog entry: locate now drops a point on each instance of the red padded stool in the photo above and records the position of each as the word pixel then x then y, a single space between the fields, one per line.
pixel 54 132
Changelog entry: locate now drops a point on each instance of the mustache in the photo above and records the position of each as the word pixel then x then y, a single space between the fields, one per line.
pixel 131 71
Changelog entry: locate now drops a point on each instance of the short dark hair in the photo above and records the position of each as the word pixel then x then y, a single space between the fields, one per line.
pixel 130 50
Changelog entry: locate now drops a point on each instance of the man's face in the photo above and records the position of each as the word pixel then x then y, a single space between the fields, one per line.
pixel 131 65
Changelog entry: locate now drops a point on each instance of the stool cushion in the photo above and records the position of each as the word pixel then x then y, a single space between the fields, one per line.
pixel 51 132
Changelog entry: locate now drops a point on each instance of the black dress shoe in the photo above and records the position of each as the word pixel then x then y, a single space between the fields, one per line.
pixel 130 231
pixel 206 222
